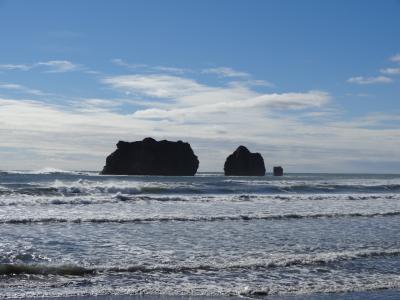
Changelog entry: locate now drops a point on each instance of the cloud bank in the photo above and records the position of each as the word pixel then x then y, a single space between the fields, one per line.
pixel 301 130
pixel 215 109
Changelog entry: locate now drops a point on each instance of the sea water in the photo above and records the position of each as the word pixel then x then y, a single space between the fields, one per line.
pixel 80 233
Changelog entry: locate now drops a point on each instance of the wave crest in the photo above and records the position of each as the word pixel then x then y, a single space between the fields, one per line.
pixel 178 218
pixel 275 261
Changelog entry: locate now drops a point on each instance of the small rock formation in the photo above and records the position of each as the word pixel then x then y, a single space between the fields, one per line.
pixel 244 163
pixel 150 157
pixel 278 171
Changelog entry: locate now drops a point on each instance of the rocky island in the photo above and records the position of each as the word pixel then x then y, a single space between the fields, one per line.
pixel 244 163
pixel 151 157
pixel 278 171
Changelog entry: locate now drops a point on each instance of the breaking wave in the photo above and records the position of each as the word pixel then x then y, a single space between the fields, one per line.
pixel 200 218
pixel 275 261
pixel 88 187
pixel 55 199
pixel 251 197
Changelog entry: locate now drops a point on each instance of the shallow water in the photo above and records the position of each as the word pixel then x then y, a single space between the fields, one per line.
pixel 78 233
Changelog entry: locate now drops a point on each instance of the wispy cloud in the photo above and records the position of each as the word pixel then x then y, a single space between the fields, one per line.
pixel 144 67
pixel 226 72
pixel 173 87
pixel 391 71
pixel 96 105
pixel 291 101
pixel 21 88
pixel 58 66
pixel 395 58
pixel 369 80
pixel 21 67
pixel 159 86
pixel 237 77
pixel 378 79
pixel 122 63
pixel 188 99
pixel 51 66
pixel 171 70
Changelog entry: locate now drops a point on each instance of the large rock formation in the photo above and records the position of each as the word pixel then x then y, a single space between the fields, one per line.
pixel 244 163
pixel 149 157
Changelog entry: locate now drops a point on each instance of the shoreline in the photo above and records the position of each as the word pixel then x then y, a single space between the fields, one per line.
pixel 388 294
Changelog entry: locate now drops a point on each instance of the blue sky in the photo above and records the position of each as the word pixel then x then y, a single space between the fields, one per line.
pixel 312 85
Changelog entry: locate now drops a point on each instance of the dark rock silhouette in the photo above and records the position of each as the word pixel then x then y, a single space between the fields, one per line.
pixel 244 163
pixel 278 171
pixel 149 157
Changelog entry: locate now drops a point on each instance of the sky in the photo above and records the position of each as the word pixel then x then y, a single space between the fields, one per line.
pixel 313 86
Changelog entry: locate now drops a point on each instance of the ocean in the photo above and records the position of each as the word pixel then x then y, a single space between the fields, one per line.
pixel 300 236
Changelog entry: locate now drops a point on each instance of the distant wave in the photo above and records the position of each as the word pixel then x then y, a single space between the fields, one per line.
pixel 51 197
pixel 158 191
pixel 319 186
pixel 88 186
pixel 276 261
pixel 89 200
pixel 47 170
pixel 174 218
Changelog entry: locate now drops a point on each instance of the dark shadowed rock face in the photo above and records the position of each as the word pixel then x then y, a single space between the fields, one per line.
pixel 278 171
pixel 149 157
pixel 244 163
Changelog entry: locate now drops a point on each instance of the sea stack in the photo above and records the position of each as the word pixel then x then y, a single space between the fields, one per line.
pixel 151 157
pixel 278 171
pixel 244 163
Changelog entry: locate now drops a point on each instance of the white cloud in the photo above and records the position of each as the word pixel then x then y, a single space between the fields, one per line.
pixel 58 66
pixel 21 88
pixel 187 97
pixel 370 80
pixel 122 63
pixel 95 105
pixel 391 71
pixel 395 58
pixel 51 66
pixel 22 67
pixel 159 86
pixel 266 101
pixel 171 70
pixel 226 72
